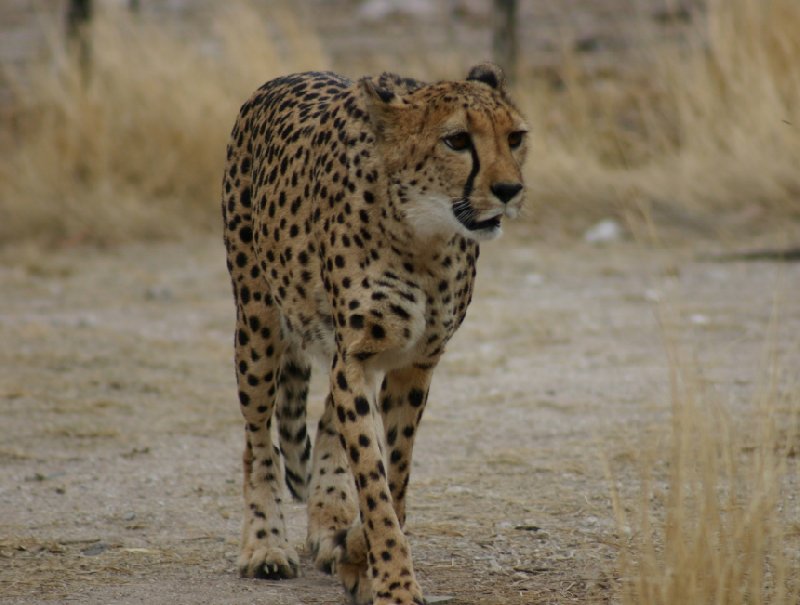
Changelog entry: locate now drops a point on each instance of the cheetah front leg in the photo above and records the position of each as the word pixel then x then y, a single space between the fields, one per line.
pixel 388 553
pixel 402 401
pixel 333 500
pixel 404 393
pixel 265 550
pixel 332 511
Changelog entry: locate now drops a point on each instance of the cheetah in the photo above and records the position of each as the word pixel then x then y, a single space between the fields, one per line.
pixel 353 214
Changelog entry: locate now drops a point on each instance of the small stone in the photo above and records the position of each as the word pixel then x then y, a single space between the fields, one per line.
pixel 158 293
pixel 95 549
pixel 534 279
pixel 457 489
pixel 128 516
pixel 604 232
pixel 527 527
pixel 86 321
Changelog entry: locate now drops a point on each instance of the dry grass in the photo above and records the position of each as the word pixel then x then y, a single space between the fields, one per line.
pixel 714 522
pixel 709 132
pixel 144 140
pixel 712 130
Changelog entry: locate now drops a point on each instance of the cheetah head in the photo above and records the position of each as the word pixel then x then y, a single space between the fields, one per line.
pixel 453 151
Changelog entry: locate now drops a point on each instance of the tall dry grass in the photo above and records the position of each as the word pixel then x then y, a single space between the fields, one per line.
pixel 709 130
pixel 715 521
pixel 137 150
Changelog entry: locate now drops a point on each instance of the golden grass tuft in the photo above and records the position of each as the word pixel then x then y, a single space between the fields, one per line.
pixel 712 523
pixel 139 147
pixel 711 128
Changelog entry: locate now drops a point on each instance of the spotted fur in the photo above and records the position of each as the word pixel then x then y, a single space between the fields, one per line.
pixel 353 212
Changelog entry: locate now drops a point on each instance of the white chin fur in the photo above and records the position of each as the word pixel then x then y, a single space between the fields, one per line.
pixel 433 216
pixel 484 235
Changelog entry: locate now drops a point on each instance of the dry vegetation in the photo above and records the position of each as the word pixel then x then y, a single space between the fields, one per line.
pixel 713 521
pixel 143 140
pixel 710 132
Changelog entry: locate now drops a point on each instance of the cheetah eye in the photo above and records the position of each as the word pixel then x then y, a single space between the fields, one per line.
pixel 458 141
pixel 515 138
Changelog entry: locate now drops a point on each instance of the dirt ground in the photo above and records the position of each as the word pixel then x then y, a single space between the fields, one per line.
pixel 120 437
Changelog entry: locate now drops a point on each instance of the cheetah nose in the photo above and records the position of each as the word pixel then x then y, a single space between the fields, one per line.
pixel 505 191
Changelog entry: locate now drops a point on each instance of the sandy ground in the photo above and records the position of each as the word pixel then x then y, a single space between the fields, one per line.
pixel 120 437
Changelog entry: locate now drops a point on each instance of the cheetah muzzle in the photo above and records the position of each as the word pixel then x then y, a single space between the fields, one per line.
pixel 353 212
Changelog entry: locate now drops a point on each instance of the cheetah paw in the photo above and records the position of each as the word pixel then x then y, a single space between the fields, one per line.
pixel 322 551
pixel 356 582
pixel 350 545
pixel 270 563
pixel 331 548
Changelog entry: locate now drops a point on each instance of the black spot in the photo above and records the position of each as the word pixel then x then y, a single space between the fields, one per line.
pixel 399 311
pixel 416 397
pixel 246 235
pixel 378 332
pixel 341 381
pixel 362 406
pixel 245 196
pixel 384 94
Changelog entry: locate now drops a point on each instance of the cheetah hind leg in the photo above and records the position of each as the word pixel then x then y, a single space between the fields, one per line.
pixel 291 414
pixel 265 550
pixel 264 554
pixel 335 538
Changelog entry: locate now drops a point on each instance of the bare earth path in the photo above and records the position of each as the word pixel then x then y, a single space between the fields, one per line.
pixel 120 437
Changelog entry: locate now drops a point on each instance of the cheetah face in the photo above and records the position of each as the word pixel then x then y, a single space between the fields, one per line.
pixel 453 152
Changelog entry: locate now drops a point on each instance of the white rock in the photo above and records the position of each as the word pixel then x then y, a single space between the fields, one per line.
pixel 534 279
pixel 605 231
pixel 457 489
pixel 652 295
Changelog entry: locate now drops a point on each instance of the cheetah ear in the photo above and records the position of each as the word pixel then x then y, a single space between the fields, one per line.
pixel 373 92
pixel 384 106
pixel 488 73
